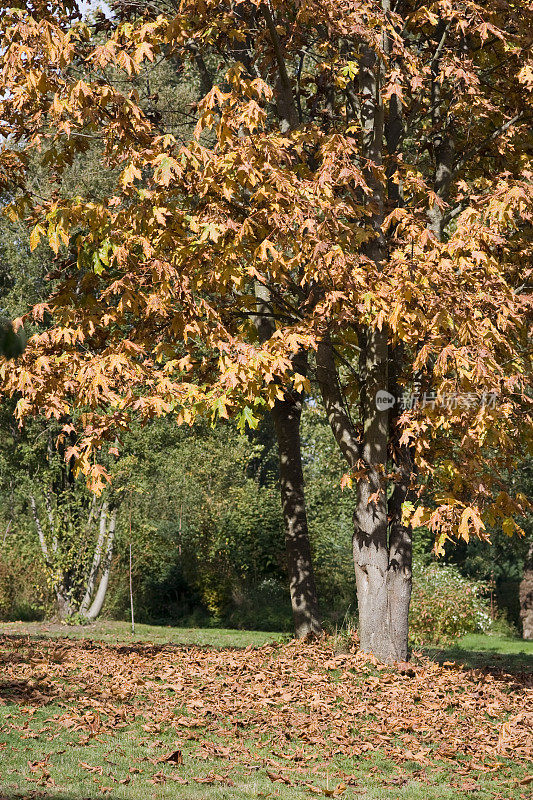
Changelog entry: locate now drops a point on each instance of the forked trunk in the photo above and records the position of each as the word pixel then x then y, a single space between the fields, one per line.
pixel 64 604
pixel 105 569
pixel 286 415
pixel 68 602
pixel 381 544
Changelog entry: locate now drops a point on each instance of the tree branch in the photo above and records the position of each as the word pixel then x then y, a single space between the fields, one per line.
pixel 289 118
pixel 338 416
pixel 494 135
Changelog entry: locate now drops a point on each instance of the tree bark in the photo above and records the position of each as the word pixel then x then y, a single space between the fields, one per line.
pixel 99 597
pixel 526 596
pixel 64 606
pixel 286 415
pixel 97 558
pixel 370 545
pixel 400 574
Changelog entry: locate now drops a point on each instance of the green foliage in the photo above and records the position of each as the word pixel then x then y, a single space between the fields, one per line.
pixel 446 605
pixel 206 535
pixel 24 591
pixel 329 510
pixel 500 561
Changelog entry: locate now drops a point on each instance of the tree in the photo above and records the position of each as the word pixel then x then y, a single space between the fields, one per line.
pixel 286 415
pixel 367 166
pixel 80 586
pixel 70 529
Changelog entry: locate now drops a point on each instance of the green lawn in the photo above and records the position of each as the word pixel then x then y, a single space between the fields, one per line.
pixel 480 650
pixel 497 644
pixel 114 632
pixel 474 649
pixel 92 712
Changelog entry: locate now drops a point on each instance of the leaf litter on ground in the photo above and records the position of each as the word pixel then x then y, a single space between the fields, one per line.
pixel 297 713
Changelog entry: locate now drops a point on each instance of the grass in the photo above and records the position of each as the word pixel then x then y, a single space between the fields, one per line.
pixel 479 650
pixel 97 714
pixel 472 650
pixel 114 632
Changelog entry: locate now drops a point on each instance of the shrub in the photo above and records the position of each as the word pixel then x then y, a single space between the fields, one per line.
pixel 24 594
pixel 264 607
pixel 7 591
pixel 445 605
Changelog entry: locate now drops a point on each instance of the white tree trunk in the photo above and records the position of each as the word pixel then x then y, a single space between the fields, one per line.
pixel 40 532
pixel 97 558
pixel 99 598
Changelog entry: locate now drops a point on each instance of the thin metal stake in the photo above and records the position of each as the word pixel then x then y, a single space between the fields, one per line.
pixel 131 600
pixel 131 584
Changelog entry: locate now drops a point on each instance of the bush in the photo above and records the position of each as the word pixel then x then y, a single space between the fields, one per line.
pixel 265 607
pixel 445 605
pixel 24 594
pixel 7 591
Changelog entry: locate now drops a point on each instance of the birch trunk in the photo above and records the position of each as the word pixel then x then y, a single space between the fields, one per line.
pixel 99 598
pixel 97 558
pixel 64 604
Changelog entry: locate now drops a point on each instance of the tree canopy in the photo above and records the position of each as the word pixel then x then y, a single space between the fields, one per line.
pixel 356 174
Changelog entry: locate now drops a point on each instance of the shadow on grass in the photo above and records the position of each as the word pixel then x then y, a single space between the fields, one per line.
pixel 30 640
pixel 20 693
pixel 49 794
pixel 517 664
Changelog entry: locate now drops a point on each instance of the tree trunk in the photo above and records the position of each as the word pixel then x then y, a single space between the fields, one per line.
pixel 383 610
pixel 381 600
pixel 400 574
pixel 99 598
pixel 97 558
pixel 286 415
pixel 382 556
pixel 526 596
pixel 64 606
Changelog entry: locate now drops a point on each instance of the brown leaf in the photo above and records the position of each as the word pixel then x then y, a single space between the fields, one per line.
pixel 175 758
pixel 89 768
